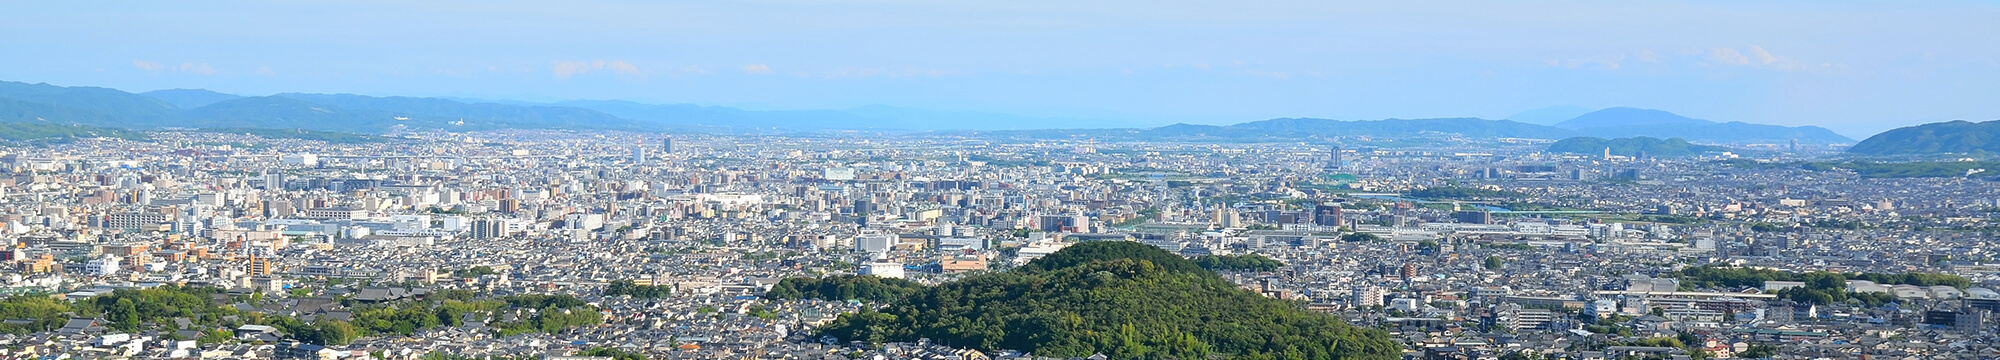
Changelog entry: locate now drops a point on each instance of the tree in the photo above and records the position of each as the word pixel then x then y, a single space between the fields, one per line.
pixel 1758 351
pixel 217 336
pixel 1494 263
pixel 124 315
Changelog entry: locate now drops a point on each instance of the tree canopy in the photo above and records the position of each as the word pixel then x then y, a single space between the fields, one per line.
pixel 1123 299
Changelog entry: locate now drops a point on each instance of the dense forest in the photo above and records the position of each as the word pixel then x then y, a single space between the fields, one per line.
pixel 1122 299
pixel 136 310
pixel 1245 262
pixel 633 289
pixel 843 287
pixel 1963 137
pixel 1884 170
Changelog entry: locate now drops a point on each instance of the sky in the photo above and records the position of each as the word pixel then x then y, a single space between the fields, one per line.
pixel 1855 67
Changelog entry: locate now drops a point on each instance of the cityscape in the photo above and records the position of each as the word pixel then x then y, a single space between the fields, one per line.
pixel 1032 180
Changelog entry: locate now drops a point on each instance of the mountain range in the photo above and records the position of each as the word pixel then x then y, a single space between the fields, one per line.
pixel 1617 122
pixel 198 108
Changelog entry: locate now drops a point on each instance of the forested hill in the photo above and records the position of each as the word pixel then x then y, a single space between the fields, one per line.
pixel 1963 137
pixel 1123 299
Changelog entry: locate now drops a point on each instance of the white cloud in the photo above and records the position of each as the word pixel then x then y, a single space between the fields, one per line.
pixel 266 71
pixel 1763 56
pixel 757 69
pixel 623 68
pixel 1649 56
pixel 566 69
pixel 203 69
pixel 1758 57
pixel 147 65
pixel 1728 56
pixel 1607 62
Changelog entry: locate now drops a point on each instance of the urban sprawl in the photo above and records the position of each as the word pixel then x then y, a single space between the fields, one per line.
pixel 578 244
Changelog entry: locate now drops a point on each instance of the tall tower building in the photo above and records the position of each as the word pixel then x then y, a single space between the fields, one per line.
pixel 1335 163
pixel 667 146
pixel 639 153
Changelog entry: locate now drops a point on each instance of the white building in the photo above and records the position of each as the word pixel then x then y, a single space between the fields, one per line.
pixel 303 159
pixel 882 270
pixel 877 243
pixel 104 266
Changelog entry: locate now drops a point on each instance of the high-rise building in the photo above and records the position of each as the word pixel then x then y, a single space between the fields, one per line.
pixel 667 146
pixel 1334 163
pixel 488 228
pixel 274 181
pixel 1326 215
pixel 259 266
pixel 1473 217
pixel 1368 296
pixel 639 154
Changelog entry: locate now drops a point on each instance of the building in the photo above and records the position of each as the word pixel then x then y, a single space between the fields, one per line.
pixel 1326 215
pixel 874 243
pixel 887 270
pixel 302 159
pixel 488 228
pixel 1473 217
pixel 337 213
pixel 259 266
pixel 667 146
pixel 1335 162
pixel 104 266
pixel 1368 296
pixel 138 220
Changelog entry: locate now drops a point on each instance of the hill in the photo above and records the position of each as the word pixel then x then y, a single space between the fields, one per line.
pixel 1960 137
pixel 477 115
pixel 190 98
pixel 1632 122
pixel 83 105
pixel 1625 116
pixel 1549 115
pixel 1123 299
pixel 1634 146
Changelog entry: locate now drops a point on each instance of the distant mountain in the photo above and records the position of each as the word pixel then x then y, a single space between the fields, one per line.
pixel 1294 129
pixel 478 115
pixel 1634 122
pixel 1549 115
pixel 190 98
pixel 94 106
pixel 1635 146
pixel 277 112
pixel 1625 116
pixel 1469 127
pixel 1963 137
pixel 866 117
pixel 196 108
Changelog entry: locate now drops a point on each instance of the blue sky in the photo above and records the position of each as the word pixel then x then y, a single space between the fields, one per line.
pixel 1855 67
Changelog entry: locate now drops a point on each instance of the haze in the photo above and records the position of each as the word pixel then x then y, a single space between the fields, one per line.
pixel 1856 68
